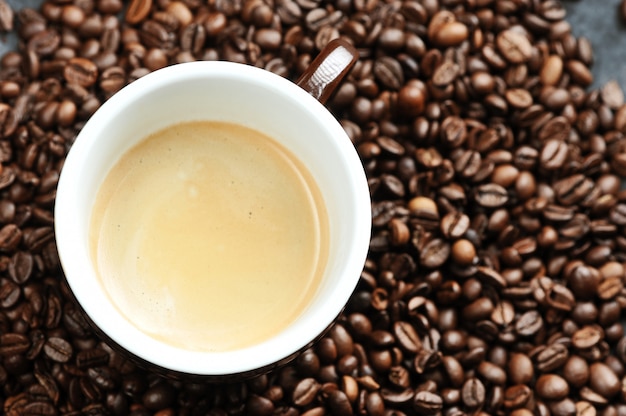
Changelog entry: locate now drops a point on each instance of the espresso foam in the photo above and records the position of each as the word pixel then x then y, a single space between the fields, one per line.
pixel 209 236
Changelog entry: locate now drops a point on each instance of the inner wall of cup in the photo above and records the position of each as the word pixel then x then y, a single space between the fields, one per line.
pixel 278 111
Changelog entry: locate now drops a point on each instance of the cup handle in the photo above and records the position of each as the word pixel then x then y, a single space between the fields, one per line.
pixel 327 70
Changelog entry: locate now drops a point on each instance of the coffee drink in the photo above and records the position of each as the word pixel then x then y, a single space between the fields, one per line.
pixel 209 236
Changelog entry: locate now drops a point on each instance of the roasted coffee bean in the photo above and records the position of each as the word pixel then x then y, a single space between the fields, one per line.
pixel 411 99
pixel 389 73
pixel 6 16
pixel 13 343
pixel 435 253
pixel 159 396
pixel 305 392
pixel 520 368
pixel 603 380
pixel 552 387
pixel 473 393
pixel 338 403
pixel 450 34
pixel 58 349
pixel 454 224
pixel 587 337
pixel 21 267
pixel 10 237
pixel 137 11
pixel 552 357
pixel 517 396
pixel 407 337
pixel 81 71
pixel 491 195
pixel 576 371
pixel 9 293
pixel 579 72
pixel 515 47
pixel 427 403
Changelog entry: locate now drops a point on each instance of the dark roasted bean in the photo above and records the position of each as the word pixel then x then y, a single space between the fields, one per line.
pixel 58 349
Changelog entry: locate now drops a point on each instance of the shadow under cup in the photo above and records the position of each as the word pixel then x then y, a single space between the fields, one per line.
pixel 250 97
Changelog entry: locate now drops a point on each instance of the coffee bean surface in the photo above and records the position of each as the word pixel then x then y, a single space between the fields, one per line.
pixel 495 278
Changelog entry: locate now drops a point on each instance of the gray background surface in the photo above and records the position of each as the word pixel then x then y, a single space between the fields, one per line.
pixel 598 20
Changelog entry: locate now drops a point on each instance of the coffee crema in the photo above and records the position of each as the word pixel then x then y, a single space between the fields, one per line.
pixel 209 236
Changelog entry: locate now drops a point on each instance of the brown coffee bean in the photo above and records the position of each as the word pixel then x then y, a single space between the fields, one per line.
pixel 6 16
pixel 612 94
pixel 587 337
pixel 427 403
pixel 454 224
pixel 193 38
pixel 13 344
pixel 412 99
pixel 515 47
pixel 399 376
pixel 342 339
pixel 468 164
pixel 21 267
pixel 453 131
pixel 552 357
pixel 603 380
pixel 551 70
pixel 579 72
pixel 520 368
pixel 388 72
pixel 9 293
pixel 180 10
pixel 517 396
pixel 572 189
pixel 435 253
pixel 492 373
pixel 529 323
pixel 551 387
pixel 463 252
pixel 576 371
pixel 400 233
pixel 553 154
pixel 81 71
pixel 407 337
pixel 491 195
pixel 519 98
pixel 481 308
pixel 397 397
pixel 91 358
pixel 609 288
pixel 137 11
pixel 44 42
pixel 305 392
pixel 445 74
pixel 503 314
pixel 159 396
pixel 473 393
pixel 10 238
pixel 338 403
pixel 58 349
pixel 450 34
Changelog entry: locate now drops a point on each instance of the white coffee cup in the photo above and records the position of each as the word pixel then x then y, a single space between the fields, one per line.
pixel 251 97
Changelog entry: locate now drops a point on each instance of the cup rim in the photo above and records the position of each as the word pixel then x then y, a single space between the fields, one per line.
pixel 164 355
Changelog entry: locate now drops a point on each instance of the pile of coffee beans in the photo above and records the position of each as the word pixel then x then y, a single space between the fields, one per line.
pixel 495 278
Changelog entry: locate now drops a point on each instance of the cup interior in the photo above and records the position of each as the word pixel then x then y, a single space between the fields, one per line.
pixel 228 92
